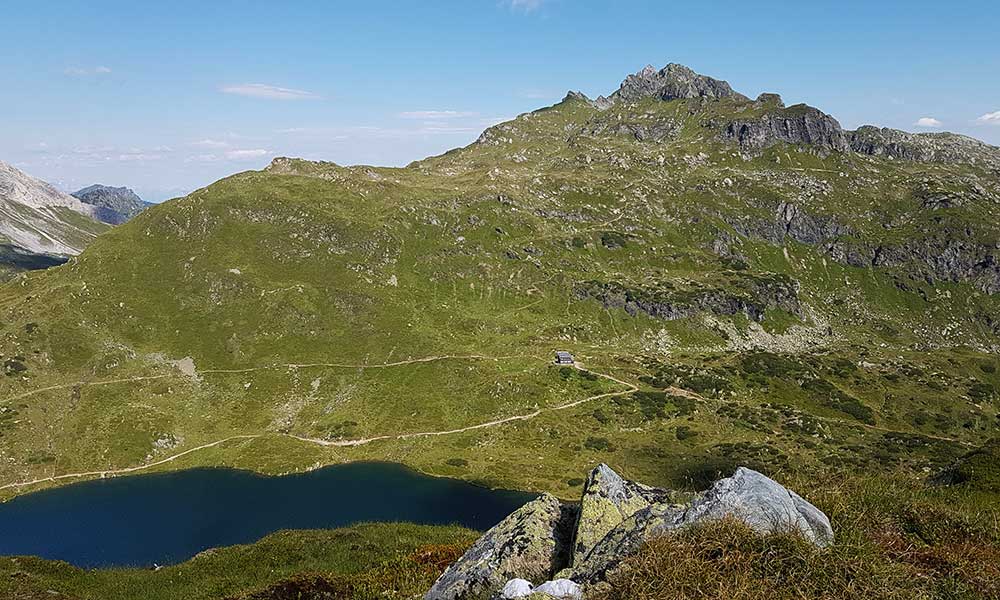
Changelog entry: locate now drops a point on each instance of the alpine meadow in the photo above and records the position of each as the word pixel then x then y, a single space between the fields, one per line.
pixel 739 286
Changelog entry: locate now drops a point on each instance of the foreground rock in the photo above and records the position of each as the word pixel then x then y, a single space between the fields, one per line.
pixel 748 496
pixel 607 501
pixel 565 549
pixel 532 543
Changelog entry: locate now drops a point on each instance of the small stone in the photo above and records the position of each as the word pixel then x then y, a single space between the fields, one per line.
pixel 566 589
pixel 516 588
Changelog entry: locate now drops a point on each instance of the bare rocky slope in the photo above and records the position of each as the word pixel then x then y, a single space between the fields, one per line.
pixel 38 223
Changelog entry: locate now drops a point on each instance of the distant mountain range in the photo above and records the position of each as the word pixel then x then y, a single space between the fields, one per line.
pixel 39 225
pixel 115 205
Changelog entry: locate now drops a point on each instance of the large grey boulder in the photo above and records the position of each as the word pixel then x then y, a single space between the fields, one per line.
pixel 748 496
pixel 532 544
pixel 763 504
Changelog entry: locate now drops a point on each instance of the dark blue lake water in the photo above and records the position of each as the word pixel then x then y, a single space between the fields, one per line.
pixel 170 517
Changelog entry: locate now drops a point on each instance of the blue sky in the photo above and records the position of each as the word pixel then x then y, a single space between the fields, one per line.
pixel 169 97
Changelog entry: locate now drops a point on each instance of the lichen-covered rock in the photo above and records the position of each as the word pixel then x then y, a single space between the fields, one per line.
pixel 623 540
pixel 607 500
pixel 614 519
pixel 531 544
pixel 760 502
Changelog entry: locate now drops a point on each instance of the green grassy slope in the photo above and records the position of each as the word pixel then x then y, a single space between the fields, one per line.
pixel 339 304
pixel 389 560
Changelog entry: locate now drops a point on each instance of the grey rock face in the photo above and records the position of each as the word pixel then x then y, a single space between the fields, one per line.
pixel 769 99
pixel 672 82
pixel 798 124
pixel 924 147
pixel 615 518
pixel 114 205
pixel 36 218
pixel 762 294
pixel 532 543
pixel 760 502
pixel 763 504
pixel 947 253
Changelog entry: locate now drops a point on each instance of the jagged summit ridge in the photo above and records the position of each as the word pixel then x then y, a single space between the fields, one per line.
pixel 672 82
pixel 771 122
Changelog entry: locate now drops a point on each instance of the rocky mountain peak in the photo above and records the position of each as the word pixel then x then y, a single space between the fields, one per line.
pixel 113 205
pixel 672 82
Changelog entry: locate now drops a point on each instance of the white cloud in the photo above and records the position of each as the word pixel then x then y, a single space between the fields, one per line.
pixel 437 114
pixel 536 94
pixel 992 118
pixel 231 155
pixel 87 72
pixel 525 5
pixel 138 157
pixel 210 143
pixel 271 92
pixel 930 122
pixel 203 158
pixel 246 154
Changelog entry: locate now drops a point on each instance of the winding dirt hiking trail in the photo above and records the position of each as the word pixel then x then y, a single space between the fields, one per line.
pixel 629 388
pixel 525 417
pixel 400 363
pixel 122 471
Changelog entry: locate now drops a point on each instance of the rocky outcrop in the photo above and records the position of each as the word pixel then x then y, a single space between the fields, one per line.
pixel 945 252
pixel 607 501
pixel 748 496
pixel 532 543
pixel 798 124
pixel 114 205
pixel 924 147
pixel 672 82
pixel 615 518
pixel 747 294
